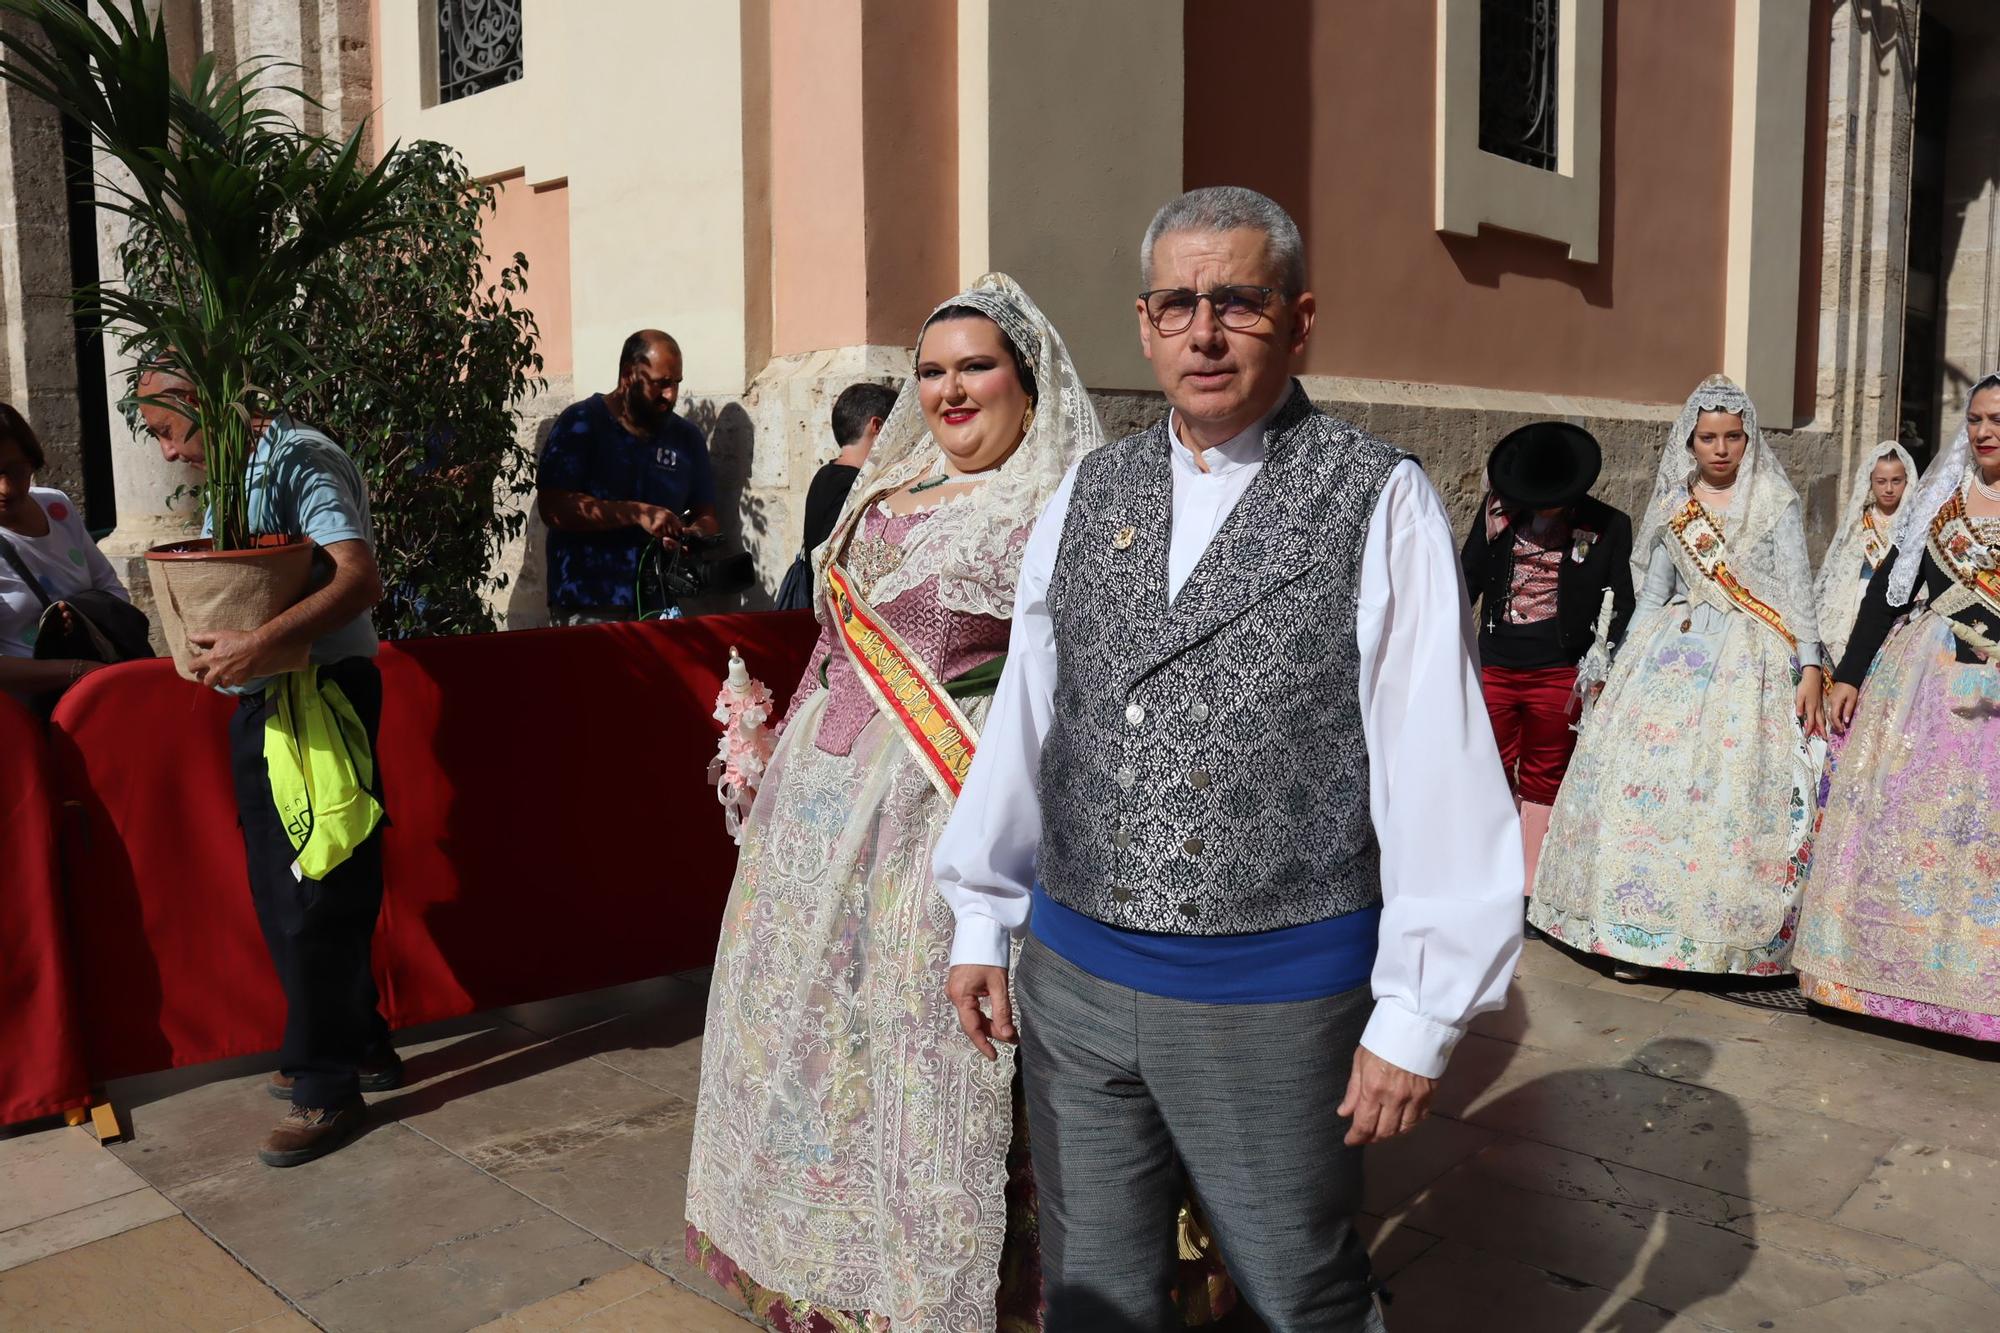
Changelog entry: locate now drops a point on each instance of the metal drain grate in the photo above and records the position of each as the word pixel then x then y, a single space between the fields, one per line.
pixel 1787 997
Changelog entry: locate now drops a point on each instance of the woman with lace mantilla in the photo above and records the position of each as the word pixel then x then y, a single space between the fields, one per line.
pixel 1861 545
pixel 855 1162
pixel 1684 825
pixel 1901 919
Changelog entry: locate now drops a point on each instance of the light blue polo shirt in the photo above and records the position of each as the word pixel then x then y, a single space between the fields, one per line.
pixel 300 482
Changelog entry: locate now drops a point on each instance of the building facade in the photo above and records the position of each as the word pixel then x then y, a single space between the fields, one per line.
pixel 1513 209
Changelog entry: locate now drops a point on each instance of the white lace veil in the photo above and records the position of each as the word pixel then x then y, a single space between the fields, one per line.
pixel 1763 496
pixel 1947 473
pixel 972 543
pixel 1843 555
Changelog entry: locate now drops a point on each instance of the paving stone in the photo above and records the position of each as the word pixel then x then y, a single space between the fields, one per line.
pixel 1392 1246
pixel 1800 1162
pixel 1939 1101
pixel 80 1226
pixel 56 1171
pixel 1667 1244
pixel 661 1046
pixel 667 1308
pixel 563 1310
pixel 1944 1199
pixel 1893 1305
pixel 624 1180
pixel 394 1231
pixel 1962 1284
pixel 1454 1288
pixel 1539 958
pixel 165 1276
pixel 1600 1026
pixel 578 1013
pixel 546 1089
pixel 1393 1171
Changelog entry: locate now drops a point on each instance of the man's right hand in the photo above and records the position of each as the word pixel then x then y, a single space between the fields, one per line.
pixel 660 522
pixel 966 985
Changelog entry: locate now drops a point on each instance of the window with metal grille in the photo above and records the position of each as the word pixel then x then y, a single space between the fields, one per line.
pixel 479 46
pixel 1519 48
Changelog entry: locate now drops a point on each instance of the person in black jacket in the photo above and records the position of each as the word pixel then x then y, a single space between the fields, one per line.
pixel 1540 561
pixel 858 415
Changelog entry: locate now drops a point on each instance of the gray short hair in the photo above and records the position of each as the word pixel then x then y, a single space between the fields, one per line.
pixel 1217 208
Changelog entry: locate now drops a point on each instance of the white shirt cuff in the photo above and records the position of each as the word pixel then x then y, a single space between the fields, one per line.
pixel 980 941
pixel 1407 1040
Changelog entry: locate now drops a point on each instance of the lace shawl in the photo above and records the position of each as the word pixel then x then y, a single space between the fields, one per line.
pixel 972 543
pixel 1946 474
pixel 1764 525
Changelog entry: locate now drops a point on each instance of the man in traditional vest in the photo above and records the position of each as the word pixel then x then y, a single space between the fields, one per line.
pixel 1239 768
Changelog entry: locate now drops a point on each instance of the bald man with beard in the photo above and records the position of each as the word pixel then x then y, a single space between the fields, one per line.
pixel 621 471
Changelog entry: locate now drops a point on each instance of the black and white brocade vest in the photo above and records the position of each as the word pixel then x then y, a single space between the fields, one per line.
pixel 1205 772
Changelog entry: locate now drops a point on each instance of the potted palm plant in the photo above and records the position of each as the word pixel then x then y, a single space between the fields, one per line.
pixel 242 206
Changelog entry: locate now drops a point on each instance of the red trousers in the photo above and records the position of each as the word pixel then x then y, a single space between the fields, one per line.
pixel 1531 712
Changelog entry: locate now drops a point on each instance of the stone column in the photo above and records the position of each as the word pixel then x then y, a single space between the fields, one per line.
pixel 1866 229
pixel 37 329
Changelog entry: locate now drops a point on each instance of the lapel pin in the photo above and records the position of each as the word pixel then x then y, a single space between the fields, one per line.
pixel 1126 536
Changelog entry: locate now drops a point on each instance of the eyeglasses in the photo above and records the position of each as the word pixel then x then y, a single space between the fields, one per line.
pixel 1237 306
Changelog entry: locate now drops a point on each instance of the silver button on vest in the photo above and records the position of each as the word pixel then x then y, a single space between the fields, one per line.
pixel 1247 809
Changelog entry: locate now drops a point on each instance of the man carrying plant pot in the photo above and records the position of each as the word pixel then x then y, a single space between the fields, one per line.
pixel 619 471
pixel 300 483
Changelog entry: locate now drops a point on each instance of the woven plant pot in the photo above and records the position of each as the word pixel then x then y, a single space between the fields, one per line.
pixel 198 590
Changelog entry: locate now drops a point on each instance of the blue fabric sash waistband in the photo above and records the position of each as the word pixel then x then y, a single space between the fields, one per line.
pixel 1306 962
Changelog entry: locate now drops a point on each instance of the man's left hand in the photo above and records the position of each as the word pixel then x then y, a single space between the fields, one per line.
pixel 1382 1100
pixel 229 657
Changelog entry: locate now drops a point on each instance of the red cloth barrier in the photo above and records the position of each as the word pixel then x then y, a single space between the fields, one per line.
pixel 551 830
pixel 41 1061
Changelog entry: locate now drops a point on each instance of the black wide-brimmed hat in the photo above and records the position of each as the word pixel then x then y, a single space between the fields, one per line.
pixel 1545 465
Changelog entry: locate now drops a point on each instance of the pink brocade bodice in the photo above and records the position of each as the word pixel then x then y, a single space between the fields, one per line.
pixel 949 643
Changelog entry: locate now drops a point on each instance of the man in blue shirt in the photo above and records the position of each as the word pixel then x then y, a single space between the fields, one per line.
pixel 298 482
pixel 619 473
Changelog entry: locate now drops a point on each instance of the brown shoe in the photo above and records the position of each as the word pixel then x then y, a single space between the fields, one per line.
pixel 384 1077
pixel 308 1132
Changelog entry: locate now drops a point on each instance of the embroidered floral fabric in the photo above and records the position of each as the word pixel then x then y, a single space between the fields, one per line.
pixel 1683 828
pixel 850 1155
pixel 1902 919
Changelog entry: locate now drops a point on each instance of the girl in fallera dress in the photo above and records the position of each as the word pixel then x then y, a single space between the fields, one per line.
pixel 1902 917
pixel 1681 833
pixel 1868 526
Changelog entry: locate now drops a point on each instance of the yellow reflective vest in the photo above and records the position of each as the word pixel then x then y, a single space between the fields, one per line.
pixel 321 768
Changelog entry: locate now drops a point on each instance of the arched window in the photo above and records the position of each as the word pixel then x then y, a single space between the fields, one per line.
pixel 478 46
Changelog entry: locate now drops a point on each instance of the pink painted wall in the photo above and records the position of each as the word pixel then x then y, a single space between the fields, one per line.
pixel 819 268
pixel 535 222
pixel 1339 129
pixel 910 147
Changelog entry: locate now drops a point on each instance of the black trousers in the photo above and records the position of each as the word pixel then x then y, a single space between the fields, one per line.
pixel 318 933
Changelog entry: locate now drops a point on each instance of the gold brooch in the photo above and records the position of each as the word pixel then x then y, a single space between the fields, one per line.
pixel 1126 536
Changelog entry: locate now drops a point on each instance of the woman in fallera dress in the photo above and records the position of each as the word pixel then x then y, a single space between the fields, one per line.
pixel 1902 917
pixel 1683 827
pixel 856 1163
pixel 1859 546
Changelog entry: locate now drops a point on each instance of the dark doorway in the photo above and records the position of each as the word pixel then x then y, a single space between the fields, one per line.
pixel 100 505
pixel 1922 382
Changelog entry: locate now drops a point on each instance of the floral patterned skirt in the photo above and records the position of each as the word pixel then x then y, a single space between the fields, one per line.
pixel 1205 1293
pixel 1684 824
pixel 1902 914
